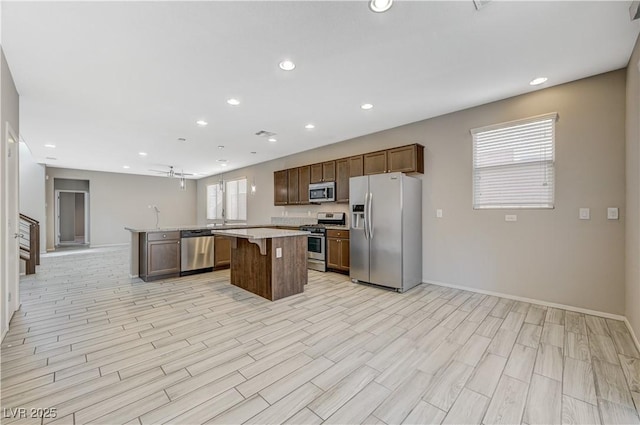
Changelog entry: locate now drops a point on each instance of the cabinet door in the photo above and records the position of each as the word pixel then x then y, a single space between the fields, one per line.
pixel 356 166
pixel 402 159
pixel 342 180
pixel 375 162
pixel 280 190
pixel 316 173
pixel 221 251
pixel 163 257
pixel 329 171
pixel 333 253
pixel 304 178
pixel 344 257
pixel 292 192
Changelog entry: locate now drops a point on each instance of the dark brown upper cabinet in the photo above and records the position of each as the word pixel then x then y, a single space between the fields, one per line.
pixel 280 189
pixel 293 187
pixel 304 178
pixel 323 172
pixel 342 180
pixel 356 166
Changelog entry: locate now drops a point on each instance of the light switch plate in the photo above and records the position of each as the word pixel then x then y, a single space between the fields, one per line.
pixel 278 252
pixel 439 213
pixel 612 213
pixel 585 214
pixel 510 217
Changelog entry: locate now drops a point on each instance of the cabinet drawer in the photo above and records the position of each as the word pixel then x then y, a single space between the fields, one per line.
pixel 342 234
pixel 159 236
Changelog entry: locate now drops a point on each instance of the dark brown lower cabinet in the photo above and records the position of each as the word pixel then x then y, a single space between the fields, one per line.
pixel 221 252
pixel 338 250
pixel 159 255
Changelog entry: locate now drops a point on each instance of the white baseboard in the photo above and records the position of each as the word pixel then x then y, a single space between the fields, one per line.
pixel 633 334
pixel 532 301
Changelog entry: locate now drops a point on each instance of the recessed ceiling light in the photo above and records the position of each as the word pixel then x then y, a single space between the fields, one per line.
pixel 181 139
pixel 253 153
pixel 366 106
pixel 309 126
pixel 233 102
pixel 380 6
pixel 50 146
pixel 142 153
pixel 202 123
pixel 538 81
pixel 220 146
pixel 125 166
pixel 224 165
pixel 222 160
pixel 51 158
pixel 287 65
pixel 272 139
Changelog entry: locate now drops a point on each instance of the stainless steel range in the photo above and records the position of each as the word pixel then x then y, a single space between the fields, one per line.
pixel 317 240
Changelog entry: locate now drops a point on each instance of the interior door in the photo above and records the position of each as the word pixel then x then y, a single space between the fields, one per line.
pixel 386 229
pixel 11 276
pixel 359 247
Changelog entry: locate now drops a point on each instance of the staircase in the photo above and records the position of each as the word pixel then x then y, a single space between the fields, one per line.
pixel 29 242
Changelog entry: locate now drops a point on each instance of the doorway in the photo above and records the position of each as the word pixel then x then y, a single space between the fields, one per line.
pixel 72 218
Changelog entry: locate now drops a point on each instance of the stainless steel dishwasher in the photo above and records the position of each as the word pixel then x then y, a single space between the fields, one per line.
pixel 197 251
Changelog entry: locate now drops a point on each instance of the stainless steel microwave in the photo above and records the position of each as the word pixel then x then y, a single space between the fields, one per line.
pixel 322 192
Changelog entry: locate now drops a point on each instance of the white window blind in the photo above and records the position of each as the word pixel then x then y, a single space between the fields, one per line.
pixel 230 203
pixel 214 202
pixel 513 164
pixel 236 199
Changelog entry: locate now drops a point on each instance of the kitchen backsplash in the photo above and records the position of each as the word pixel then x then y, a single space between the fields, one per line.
pixel 293 221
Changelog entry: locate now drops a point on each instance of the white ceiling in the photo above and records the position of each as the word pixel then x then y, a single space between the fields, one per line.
pixel 105 80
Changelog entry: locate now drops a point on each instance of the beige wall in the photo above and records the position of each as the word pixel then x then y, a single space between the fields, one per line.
pixel 548 255
pixel 632 294
pixel 118 200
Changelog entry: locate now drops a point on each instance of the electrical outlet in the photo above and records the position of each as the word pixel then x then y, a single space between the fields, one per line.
pixel 585 214
pixel 510 217
pixel 612 213
pixel 278 252
pixel 439 213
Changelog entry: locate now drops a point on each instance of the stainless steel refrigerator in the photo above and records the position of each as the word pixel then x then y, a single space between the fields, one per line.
pixel 386 230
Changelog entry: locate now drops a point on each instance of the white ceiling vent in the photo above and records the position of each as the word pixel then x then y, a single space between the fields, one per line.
pixel 264 133
pixel 479 4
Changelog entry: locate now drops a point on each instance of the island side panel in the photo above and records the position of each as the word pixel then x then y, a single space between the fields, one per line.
pixel 134 267
pixel 289 272
pixel 250 270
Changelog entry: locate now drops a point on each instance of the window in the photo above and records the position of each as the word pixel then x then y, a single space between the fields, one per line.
pixel 230 203
pixel 513 164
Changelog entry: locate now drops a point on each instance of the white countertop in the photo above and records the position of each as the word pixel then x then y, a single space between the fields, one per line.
pixel 259 233
pixel 195 227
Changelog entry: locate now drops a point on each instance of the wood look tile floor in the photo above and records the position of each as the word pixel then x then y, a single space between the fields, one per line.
pixel 100 347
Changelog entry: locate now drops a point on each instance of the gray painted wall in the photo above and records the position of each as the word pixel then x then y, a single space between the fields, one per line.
pixel 548 255
pixel 119 200
pixel 632 293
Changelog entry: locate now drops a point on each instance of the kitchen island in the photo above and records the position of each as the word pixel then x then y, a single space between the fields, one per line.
pixel 271 263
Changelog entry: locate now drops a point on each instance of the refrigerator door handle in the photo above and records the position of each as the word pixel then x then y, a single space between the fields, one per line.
pixel 366 220
pixel 370 220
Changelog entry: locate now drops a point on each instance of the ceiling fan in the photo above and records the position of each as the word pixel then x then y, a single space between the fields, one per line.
pixel 171 172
